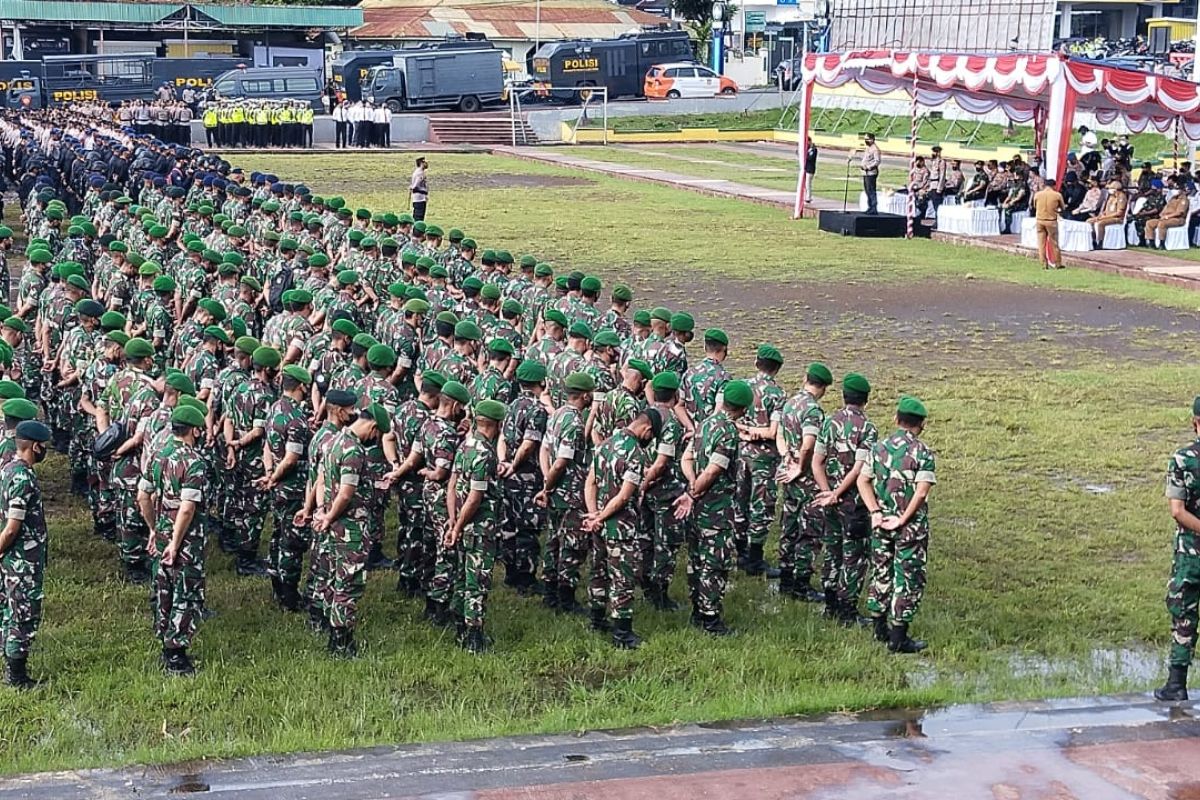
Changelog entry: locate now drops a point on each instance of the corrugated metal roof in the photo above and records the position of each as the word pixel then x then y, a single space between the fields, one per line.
pixel 234 16
pixel 498 19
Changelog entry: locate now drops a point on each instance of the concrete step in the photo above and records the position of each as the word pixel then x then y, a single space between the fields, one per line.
pixel 479 129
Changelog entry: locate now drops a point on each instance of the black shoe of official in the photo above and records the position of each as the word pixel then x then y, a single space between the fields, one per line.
pixel 107 531
pixel 754 564
pixel 247 565
pixel 566 600
pixel 434 611
pixel 16 676
pixel 79 483
pixel 341 643
pixel 880 628
pixel 289 597
pixel 528 585
pixel 376 560
pixel 407 587
pixel 1175 689
pixel 176 662
pixel 802 590
pixel 713 625
pixel 623 637
pixel 475 641
pixel 899 641
pixel 599 621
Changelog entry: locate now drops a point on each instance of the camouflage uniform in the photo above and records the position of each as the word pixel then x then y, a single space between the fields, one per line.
pixel 440 441
pixel 710 540
pixel 802 416
pixel 846 437
pixel 23 564
pixel 287 432
pixel 345 464
pixel 620 459
pixel 896 465
pixel 475 465
pixel 130 398
pixel 522 519
pixel 1183 590
pixel 758 461
pixel 245 515
pixel 614 411
pixel 411 554
pixel 319 548
pixel 103 496
pixel 177 474
pixel 701 386
pixel 567 544
pixel 29 290
pixel 666 532
pixel 491 385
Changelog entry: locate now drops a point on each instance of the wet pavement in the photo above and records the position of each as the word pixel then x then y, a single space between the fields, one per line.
pixel 1089 749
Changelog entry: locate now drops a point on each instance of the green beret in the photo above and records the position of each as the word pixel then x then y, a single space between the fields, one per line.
pixel 606 338
pixel 531 372
pixel 211 256
pixel 911 406
pixel 194 246
pixel 5 311
pixel 301 297
pixel 187 415
pixel 17 324
pixel 237 231
pixel 237 326
pixel 468 330
pixel 252 282
pixel 297 373
pixel 138 348
pixel 434 377
pixel 473 282
pixel 342 398
pixel 716 335
pixel 74 230
pixel 661 313
pixel 228 269
pixel 112 320
pixel 622 292
pixel 504 257
pixel 543 270
pixel 491 409
pixel 218 333
pixel 88 307
pixel 270 206
pixel 456 391
pixel 10 389
pixel 447 316
pixel 267 357
pixel 419 227
pixel 409 257
pixel 6 353
pixel 212 308
pixel 345 327
pixel 642 367
pixel 769 352
pixel 739 394
pixel 512 307
pixel 5 232
pixel 388 241
pixel 368 242
pixel 580 329
pixel 33 431
pixel 233 258
pixel 682 322
pixel 1196 407
pixel 580 382
pixel 438 271
pixel 19 408
pixel 556 316
pixel 561 282
pixel 490 291
pixel 347 277
pixel 149 268
pixel 54 214
pixel 163 283
pixel 405 219
pixel 433 231
pixel 455 235
pixel 854 382
pixel 362 213
pixel 89 229
pixel 246 344
pixel 189 401
pixel 819 373
pixel 382 421
pixel 158 231
pixel 398 289
pixel 40 256
pixel 416 306
pixel 181 383
pixel 355 236
pixel 364 340
pixel 666 380
pixel 500 345
pixel 528 261
pixel 318 260
pixel 416 293
pixel 641 317
pixel 381 355
pixel 78 281
pixel 590 284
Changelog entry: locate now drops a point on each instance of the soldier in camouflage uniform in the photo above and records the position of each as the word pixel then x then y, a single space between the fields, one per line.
pixel 709 465
pixel 611 492
pixel 895 482
pixel 494 382
pixel 799 428
pixel 459 364
pixel 22 552
pixel 342 517
pixel 29 294
pixel 618 407
pixel 477 498
pixel 847 438
pixel 411 516
pixel 1183 589
pixel 758 460
pixel 701 385
pixel 102 497
pixel 171 497
pixel 73 356
pixel 381 454
pixel 661 533
pixel 285 467
pixel 522 434
pixel 6 239
pixel 564 458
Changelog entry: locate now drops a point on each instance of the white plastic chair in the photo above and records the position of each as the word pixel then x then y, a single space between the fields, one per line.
pixel 1115 237
pixel 1131 236
pixel 1177 237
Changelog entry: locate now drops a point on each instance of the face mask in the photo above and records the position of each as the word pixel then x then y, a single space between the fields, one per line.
pixel 39 454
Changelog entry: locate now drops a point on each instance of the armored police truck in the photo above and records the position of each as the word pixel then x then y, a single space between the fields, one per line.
pixel 620 64
pixel 351 68
pixel 466 75
pixel 57 80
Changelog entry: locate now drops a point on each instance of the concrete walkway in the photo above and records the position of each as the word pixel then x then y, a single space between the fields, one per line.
pixel 1133 262
pixel 1121 748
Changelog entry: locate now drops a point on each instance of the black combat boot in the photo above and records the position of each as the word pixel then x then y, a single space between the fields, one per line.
pixel 376 560
pixel 176 661
pixel 550 593
pixel 475 641
pixel 289 597
pixel 247 565
pixel 435 612
pixel 526 584
pixel 696 619
pixel 802 590
pixel 79 483
pixel 664 593
pixel 566 600
pixel 849 617
pixel 600 620
pixel 623 637
pixel 136 572
pixel 787 583
pixel 832 609
pixel 16 676
pixel 715 626
pixel 407 586
pixel 898 641
pixel 754 564
pixel 1175 688
pixel 316 620
pixel 106 530
pixel 881 628
pixel 341 643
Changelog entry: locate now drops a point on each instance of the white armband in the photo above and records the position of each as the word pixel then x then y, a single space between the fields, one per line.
pixel 480 486
pixel 720 459
pixel 294 447
pixel 349 479
pixel 191 495
pixel 666 450
pixel 565 451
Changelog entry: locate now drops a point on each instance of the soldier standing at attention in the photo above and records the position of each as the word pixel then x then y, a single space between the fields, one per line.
pixel 709 465
pixel 871 159
pixel 170 495
pixel 702 384
pixel 661 487
pixel 410 507
pixel 476 499
pixel 894 483
pixel 758 458
pixel 1183 590
pixel 611 494
pixel 22 551
pixel 799 427
pixel 522 434
pixel 244 431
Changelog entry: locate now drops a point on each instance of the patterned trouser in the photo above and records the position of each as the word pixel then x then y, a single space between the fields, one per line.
pixel 445 561
pixel 898 560
pixel 104 499
pixel 847 550
pixel 80 446
pixel 319 556
pixel 800 531
pixel 347 574
pixel 288 543
pixel 522 524
pixel 20 604
pixel 566 547
pixel 666 535
pixel 477 551
pixel 710 557
pixel 131 528
pixel 761 495
pixel 1183 602
pixel 178 602
pixel 246 512
pixel 616 551
pixel 411 533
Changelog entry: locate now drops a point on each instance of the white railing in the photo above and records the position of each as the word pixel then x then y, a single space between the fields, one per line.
pixel 588 97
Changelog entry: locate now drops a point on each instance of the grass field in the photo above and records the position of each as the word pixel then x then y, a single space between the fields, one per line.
pixel 1055 399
